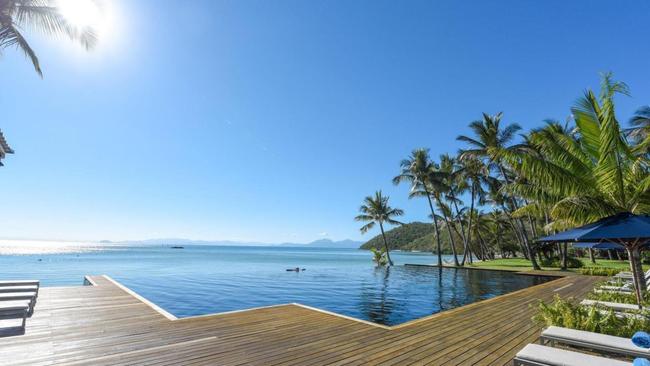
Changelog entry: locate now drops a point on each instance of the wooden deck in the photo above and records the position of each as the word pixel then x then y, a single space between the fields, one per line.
pixel 106 324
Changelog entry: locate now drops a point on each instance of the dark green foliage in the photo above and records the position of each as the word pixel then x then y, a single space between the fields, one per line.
pixel 599 271
pixel 403 236
pixel 557 262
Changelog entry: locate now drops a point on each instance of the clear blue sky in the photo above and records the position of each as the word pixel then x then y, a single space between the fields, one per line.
pixel 271 120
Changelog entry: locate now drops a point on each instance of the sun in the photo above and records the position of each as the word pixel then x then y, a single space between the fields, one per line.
pixel 84 13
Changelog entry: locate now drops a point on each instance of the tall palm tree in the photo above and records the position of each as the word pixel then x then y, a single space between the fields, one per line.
pixel 421 173
pixel 490 142
pixel 375 210
pixel 475 174
pixel 41 15
pixel 588 175
pixel 455 185
pixel 446 215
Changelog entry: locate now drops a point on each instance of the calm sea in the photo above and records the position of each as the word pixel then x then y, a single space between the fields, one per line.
pixel 206 279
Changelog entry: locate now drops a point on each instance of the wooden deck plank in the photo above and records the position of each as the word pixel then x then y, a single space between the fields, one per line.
pixel 106 325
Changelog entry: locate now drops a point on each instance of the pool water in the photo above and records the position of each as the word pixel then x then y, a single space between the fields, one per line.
pixel 200 280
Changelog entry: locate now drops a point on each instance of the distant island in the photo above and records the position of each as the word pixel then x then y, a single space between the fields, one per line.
pixel 321 243
pixel 415 236
pixel 327 243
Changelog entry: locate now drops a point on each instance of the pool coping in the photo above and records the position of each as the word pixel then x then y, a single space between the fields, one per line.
pixel 89 282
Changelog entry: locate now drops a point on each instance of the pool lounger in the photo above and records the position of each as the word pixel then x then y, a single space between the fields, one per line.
pixel 12 296
pixel 624 289
pixel 538 355
pixel 17 309
pixel 30 288
pixel 20 286
pixel 594 341
pixel 20 283
pixel 629 274
pixel 611 305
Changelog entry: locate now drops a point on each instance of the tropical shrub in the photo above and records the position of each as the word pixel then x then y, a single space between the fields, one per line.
pixel 379 256
pixel 567 314
pixel 599 271
pixel 618 297
pixel 557 262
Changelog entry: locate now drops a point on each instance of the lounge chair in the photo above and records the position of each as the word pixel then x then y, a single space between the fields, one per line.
pixel 611 305
pixel 538 355
pixel 30 288
pixel 594 341
pixel 18 309
pixel 13 296
pixel 629 275
pixel 20 283
pixel 20 286
pixel 627 288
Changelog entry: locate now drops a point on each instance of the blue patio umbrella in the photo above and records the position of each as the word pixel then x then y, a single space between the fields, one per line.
pixel 625 229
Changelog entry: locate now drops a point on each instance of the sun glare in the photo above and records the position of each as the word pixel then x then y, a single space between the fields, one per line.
pixel 86 13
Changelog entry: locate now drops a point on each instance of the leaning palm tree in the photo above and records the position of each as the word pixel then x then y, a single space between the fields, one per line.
pixel 490 142
pixel 587 175
pixel 375 210
pixel 40 15
pixel 422 174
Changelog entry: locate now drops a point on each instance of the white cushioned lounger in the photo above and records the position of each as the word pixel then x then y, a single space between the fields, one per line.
pixel 537 355
pixel 593 341
pixel 30 288
pixel 624 288
pixel 11 296
pixel 18 309
pixel 612 305
pixel 36 283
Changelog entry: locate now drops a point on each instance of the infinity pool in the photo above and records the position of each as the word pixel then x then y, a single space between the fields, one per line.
pixel 207 279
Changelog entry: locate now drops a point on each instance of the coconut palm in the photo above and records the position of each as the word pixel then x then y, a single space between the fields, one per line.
pixel 445 209
pixel 40 15
pixel 490 142
pixel 375 210
pixel 587 175
pixel 475 175
pixel 423 175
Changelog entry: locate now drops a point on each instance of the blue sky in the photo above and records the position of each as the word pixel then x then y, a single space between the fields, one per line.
pixel 271 120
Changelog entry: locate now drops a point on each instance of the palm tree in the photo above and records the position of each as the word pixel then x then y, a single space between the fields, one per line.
pixel 446 214
pixel 455 185
pixel 422 174
pixel 640 131
pixel 589 174
pixel 490 142
pixel 375 210
pixel 41 15
pixel 474 173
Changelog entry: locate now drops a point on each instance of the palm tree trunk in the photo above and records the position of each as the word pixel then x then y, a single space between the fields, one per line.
pixel 637 271
pixel 383 235
pixel 435 225
pixel 451 236
pixel 521 224
pixel 462 228
pixel 515 229
pixel 469 223
pixel 591 255
pixel 565 254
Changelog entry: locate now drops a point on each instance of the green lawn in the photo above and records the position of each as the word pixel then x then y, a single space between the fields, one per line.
pixel 521 264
